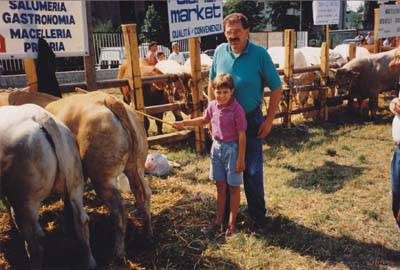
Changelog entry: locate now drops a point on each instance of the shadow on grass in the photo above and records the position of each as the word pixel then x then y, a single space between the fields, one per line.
pixel 287 234
pixel 328 178
pixel 312 134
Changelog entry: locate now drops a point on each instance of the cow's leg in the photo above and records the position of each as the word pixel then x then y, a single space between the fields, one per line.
pixel 11 212
pixel 177 115
pixel 142 193
pixel 373 105
pixel 117 206
pixel 159 123
pixel 350 105
pixel 27 219
pixel 69 227
pixel 80 221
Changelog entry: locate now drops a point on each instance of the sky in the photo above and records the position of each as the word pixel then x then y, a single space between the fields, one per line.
pixel 353 5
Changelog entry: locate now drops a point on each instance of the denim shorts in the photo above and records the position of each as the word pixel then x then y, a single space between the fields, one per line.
pixel 223 163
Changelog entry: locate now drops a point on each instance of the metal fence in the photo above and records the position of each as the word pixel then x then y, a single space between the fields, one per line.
pixel 106 40
pixel 11 66
pixel 100 41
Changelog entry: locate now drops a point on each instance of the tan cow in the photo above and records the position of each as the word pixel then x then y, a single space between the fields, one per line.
pixel 39 156
pixel 158 93
pixel 111 141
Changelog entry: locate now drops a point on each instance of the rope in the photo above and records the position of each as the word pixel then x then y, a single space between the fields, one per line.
pixel 158 119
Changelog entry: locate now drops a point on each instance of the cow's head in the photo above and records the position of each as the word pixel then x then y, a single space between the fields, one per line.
pixel 181 89
pixel 344 79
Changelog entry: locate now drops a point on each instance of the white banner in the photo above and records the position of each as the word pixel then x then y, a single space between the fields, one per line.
pixel 194 18
pixel 326 12
pixel 389 21
pixel 61 23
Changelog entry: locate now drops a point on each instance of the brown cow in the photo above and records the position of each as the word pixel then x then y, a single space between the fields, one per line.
pixel 158 93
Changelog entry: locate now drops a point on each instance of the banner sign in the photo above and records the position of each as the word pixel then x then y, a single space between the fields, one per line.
pixel 389 21
pixel 61 23
pixel 326 12
pixel 194 18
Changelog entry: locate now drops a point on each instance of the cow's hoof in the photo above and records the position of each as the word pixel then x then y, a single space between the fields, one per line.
pixel 119 255
pixel 92 264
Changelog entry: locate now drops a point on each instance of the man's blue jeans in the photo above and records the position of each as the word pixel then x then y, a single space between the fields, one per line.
pixel 396 184
pixel 253 179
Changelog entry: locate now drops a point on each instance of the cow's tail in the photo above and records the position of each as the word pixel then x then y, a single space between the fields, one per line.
pixel 118 109
pixel 49 125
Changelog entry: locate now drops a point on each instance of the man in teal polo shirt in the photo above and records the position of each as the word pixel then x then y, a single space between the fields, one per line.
pixel 252 69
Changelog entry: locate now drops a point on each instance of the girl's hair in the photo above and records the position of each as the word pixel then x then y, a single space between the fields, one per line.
pixel 223 81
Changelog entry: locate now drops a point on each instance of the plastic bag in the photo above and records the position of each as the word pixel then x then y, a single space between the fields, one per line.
pixel 157 164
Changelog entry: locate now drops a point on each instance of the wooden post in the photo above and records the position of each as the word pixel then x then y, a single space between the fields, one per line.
pixel 352 51
pixel 31 76
pixel 89 60
pixel 376 28
pixel 327 38
pixel 133 66
pixel 324 79
pixel 398 38
pixel 195 65
pixel 289 36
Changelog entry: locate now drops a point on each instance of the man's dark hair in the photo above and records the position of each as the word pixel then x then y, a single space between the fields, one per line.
pixel 152 44
pixel 236 18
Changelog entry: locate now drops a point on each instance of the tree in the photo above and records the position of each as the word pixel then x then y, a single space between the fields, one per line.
pixel 100 26
pixel 281 20
pixel 369 7
pixel 151 28
pixel 249 8
pixel 354 20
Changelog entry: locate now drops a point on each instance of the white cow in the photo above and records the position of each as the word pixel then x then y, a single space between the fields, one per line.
pixel 343 50
pixel 278 57
pixel 304 57
pixel 205 61
pixel 313 56
pixel 39 156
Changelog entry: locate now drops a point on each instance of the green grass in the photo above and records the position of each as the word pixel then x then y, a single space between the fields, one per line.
pixel 328 192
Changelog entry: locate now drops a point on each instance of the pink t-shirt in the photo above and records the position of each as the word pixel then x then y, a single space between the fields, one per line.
pixel 226 121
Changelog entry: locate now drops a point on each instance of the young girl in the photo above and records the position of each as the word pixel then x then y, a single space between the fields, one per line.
pixel 228 129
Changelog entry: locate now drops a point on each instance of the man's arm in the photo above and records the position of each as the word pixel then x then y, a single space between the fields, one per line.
pixel 272 108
